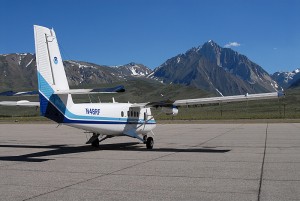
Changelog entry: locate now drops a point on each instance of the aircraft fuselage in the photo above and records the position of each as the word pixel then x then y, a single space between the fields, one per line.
pixel 110 118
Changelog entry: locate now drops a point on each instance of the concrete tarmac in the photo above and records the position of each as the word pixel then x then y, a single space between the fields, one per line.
pixel 188 162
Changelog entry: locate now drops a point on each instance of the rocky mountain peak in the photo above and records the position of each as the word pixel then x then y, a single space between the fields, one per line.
pixel 134 69
pixel 287 79
pixel 216 69
pixel 211 51
pixel 211 43
pixel 132 64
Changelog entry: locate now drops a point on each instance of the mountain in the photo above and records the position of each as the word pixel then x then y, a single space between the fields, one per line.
pixel 18 71
pixel 287 79
pixel 85 73
pixel 208 67
pixel 215 69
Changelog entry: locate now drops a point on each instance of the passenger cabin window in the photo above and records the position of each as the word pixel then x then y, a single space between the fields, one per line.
pixel 132 114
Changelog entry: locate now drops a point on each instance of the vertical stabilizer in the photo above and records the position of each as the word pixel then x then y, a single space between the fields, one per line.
pixel 48 58
pixel 51 74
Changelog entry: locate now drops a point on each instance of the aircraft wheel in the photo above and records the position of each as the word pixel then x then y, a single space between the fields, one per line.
pixel 149 143
pixel 95 143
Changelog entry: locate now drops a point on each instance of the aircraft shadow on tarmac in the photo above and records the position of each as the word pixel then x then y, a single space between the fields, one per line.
pixel 64 149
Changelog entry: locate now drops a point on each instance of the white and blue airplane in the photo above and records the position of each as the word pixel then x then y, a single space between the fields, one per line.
pixel 102 119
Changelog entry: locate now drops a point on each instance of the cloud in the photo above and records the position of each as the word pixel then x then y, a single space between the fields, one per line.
pixel 232 44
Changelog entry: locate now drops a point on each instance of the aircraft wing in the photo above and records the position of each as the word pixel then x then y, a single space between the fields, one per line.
pixel 25 103
pixel 201 101
pixel 227 99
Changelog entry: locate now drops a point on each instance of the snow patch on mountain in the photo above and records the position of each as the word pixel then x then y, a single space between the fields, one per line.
pixel 80 65
pixel 134 69
pixel 219 92
pixel 29 63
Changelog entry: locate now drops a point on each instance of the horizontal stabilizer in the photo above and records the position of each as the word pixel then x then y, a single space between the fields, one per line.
pixel 116 89
pixel 22 93
pixel 24 103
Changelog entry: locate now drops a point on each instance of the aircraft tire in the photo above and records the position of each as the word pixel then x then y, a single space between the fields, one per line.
pixel 149 143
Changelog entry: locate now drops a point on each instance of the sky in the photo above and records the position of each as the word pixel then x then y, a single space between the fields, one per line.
pixel 117 32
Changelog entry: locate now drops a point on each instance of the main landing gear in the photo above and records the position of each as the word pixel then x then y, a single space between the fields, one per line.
pixel 95 141
pixel 148 141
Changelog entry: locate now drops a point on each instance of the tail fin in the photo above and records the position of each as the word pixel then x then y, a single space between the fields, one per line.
pixel 51 74
pixel 49 62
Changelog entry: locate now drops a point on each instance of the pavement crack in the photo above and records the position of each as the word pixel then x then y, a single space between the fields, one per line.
pixel 262 165
pixel 202 143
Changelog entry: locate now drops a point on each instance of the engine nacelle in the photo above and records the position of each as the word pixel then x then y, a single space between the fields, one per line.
pixel 170 110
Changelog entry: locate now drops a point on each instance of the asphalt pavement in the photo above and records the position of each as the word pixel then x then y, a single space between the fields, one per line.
pixel 188 162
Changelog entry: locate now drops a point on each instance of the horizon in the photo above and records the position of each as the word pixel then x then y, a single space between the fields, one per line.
pixel 115 33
